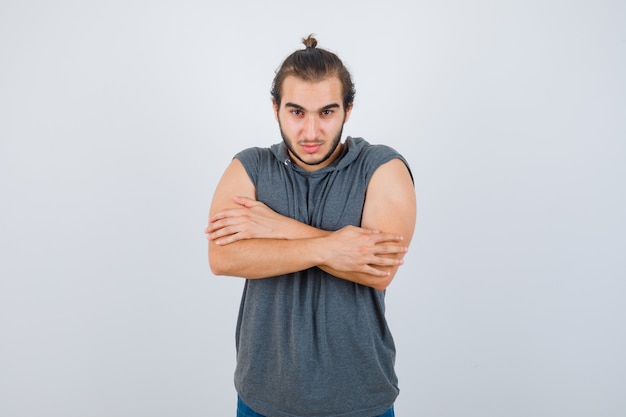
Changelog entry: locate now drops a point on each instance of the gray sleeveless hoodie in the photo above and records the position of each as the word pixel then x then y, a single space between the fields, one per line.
pixel 310 344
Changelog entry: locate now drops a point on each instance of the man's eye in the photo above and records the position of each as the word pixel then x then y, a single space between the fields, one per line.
pixel 327 112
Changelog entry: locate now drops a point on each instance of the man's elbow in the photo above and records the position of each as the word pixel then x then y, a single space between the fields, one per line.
pixel 217 264
pixel 215 268
pixel 231 267
pixel 382 283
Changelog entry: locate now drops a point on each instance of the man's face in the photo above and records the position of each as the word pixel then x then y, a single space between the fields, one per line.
pixel 311 118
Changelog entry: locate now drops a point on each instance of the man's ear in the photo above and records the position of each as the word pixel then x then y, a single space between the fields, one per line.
pixel 275 107
pixel 348 112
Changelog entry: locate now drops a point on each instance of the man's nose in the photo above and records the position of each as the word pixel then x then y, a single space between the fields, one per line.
pixel 311 128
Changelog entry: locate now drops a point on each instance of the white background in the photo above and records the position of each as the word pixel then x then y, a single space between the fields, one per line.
pixel 117 119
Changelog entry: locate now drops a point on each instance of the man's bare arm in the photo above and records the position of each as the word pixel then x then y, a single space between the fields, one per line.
pixel 283 245
pixel 390 205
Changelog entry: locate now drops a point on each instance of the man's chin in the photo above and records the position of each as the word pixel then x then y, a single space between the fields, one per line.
pixel 308 159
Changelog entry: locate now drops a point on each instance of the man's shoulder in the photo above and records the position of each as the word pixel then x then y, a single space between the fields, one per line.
pixel 372 152
pixel 373 155
pixel 361 145
pixel 258 153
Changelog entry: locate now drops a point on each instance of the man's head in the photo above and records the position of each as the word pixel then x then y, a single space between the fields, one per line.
pixel 314 64
pixel 312 97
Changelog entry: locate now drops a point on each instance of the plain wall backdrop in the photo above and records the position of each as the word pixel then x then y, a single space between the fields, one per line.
pixel 117 119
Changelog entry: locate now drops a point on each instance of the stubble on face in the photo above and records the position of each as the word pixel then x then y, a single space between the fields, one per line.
pixel 289 143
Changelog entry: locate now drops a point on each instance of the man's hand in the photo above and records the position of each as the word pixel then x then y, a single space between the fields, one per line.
pixel 354 249
pixel 253 220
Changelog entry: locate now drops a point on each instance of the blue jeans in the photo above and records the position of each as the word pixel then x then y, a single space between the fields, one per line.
pixel 244 411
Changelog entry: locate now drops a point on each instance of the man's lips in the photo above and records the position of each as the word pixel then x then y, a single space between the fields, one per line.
pixel 311 147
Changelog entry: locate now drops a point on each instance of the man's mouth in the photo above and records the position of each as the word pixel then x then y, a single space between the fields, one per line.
pixel 312 147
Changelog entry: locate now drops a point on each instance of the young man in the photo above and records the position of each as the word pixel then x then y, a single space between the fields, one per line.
pixel 318 227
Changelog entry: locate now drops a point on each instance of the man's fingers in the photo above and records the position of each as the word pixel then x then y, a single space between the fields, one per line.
pixel 223 214
pixel 376 272
pixel 387 237
pixel 390 249
pixel 224 235
pixel 244 201
pixel 380 261
pixel 223 227
pixel 370 270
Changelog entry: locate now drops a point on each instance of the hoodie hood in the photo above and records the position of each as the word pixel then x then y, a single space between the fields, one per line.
pixel 352 147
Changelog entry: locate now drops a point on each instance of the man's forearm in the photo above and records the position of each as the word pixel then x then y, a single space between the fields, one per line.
pixel 253 241
pixel 354 254
pixel 263 258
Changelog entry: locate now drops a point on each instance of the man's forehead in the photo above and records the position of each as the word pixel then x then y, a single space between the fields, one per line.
pixel 318 94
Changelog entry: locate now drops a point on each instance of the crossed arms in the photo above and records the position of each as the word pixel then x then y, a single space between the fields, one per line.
pixel 247 239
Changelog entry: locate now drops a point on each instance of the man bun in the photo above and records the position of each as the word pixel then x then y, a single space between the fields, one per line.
pixel 310 42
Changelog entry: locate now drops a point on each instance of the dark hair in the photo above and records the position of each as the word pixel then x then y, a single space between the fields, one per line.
pixel 314 64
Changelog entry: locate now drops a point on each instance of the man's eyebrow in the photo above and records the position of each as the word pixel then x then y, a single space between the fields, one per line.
pixel 330 106
pixel 326 107
pixel 294 105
